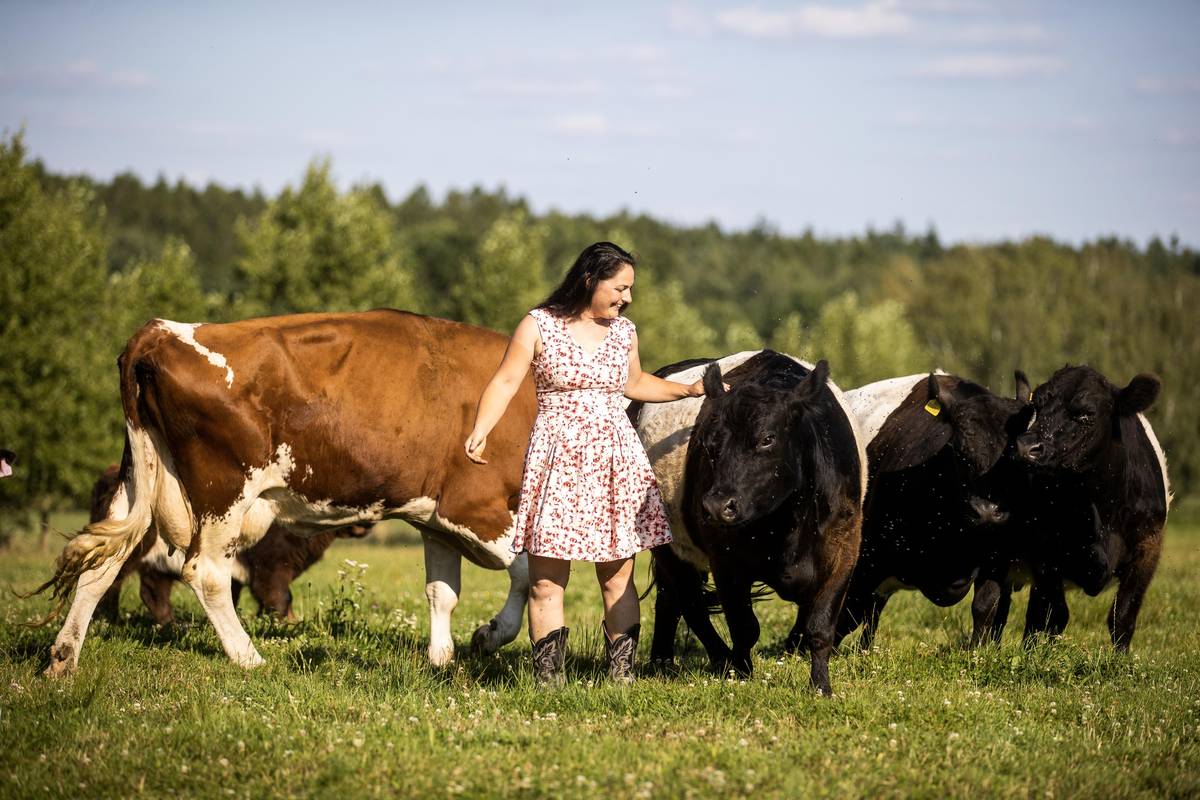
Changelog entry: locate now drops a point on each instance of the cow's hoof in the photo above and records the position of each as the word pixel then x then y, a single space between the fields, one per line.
pixel 440 657
pixel 250 660
pixel 483 641
pixel 62 662
pixel 662 666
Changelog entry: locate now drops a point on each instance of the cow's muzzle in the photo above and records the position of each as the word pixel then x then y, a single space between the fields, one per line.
pixel 987 512
pixel 1031 449
pixel 722 508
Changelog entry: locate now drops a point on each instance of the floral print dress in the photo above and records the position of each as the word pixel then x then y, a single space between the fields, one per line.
pixel 588 492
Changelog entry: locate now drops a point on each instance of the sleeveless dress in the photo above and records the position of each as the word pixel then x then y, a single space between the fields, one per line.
pixel 588 492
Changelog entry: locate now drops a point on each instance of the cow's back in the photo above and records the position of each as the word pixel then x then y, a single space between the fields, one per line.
pixel 363 412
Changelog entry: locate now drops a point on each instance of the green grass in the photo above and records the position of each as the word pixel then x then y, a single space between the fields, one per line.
pixel 347 705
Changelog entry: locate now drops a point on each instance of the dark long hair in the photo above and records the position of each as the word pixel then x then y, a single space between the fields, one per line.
pixel 596 263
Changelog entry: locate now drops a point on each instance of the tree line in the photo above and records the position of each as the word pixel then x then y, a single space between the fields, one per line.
pixel 84 263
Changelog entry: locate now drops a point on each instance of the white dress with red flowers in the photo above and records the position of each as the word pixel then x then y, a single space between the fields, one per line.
pixel 588 492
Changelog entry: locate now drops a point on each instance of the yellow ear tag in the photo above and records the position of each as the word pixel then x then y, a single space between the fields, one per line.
pixel 933 407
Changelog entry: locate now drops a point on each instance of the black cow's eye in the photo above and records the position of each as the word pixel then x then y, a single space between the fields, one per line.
pixel 766 441
pixel 1084 417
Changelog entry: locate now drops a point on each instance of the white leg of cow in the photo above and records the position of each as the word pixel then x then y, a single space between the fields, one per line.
pixel 443 581
pixel 64 655
pixel 506 625
pixel 208 572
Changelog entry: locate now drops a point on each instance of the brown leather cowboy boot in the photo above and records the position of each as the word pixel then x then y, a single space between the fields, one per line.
pixel 621 652
pixel 549 653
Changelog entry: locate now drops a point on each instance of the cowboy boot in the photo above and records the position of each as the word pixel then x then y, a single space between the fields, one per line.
pixel 549 653
pixel 621 651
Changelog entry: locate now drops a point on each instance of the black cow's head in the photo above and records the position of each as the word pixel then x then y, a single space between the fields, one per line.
pixel 1078 413
pixel 976 425
pixel 751 441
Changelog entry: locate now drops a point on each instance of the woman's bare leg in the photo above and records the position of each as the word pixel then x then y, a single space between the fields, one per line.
pixel 621 610
pixel 547 583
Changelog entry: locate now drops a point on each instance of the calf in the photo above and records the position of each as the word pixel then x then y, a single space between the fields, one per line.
pixel 764 483
pixel 939 489
pixel 1097 506
pixel 268 567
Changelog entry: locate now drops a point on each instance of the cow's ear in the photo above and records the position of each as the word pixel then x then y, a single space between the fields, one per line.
pixel 812 384
pixel 714 385
pixel 1024 390
pixel 1139 395
pixel 913 434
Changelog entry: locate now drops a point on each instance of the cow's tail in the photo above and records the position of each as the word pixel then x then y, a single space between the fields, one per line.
pixel 129 515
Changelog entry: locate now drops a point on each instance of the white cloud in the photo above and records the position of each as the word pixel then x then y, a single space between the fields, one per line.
pixel 509 87
pixel 992 34
pixel 687 20
pixel 992 65
pixel 82 73
pixel 580 124
pixel 1177 137
pixel 670 91
pixel 945 6
pixel 1161 85
pixel 868 20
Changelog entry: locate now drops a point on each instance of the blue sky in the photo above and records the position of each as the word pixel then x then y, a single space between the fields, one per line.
pixel 987 119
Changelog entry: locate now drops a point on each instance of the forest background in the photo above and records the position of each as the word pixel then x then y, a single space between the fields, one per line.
pixel 84 263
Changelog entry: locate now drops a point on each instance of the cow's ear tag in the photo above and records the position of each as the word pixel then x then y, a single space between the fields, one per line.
pixel 933 407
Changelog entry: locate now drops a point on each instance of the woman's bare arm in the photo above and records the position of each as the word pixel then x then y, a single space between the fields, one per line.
pixel 503 385
pixel 650 388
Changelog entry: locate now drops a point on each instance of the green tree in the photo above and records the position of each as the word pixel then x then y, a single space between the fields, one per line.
pixel 58 367
pixel 503 278
pixel 669 329
pixel 315 249
pixel 861 344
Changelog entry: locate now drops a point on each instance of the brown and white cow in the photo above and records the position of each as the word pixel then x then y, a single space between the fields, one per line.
pixel 316 421
pixel 267 568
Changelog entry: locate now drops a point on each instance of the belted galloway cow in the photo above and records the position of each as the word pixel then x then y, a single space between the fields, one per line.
pixel 939 492
pixel 317 421
pixel 764 483
pixel 1096 509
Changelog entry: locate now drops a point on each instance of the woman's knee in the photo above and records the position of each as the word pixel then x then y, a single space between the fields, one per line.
pixel 545 589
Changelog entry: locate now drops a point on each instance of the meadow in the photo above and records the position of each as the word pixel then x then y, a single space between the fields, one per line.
pixel 348 706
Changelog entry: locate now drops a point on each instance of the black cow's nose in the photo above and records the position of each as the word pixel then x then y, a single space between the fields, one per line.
pixel 1031 450
pixel 988 512
pixel 722 507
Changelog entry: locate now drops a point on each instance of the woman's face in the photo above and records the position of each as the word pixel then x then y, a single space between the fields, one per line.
pixel 613 294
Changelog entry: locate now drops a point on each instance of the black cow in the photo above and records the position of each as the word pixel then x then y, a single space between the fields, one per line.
pixel 1097 506
pixel 939 490
pixel 769 490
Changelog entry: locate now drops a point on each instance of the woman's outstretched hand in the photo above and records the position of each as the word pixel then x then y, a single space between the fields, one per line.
pixel 697 388
pixel 474 447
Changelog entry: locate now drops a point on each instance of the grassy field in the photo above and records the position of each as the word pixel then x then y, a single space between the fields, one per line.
pixel 347 705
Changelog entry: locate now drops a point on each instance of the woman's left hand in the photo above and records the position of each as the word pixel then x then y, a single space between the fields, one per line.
pixel 697 388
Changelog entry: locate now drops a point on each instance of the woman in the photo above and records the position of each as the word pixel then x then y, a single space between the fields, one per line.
pixel 588 492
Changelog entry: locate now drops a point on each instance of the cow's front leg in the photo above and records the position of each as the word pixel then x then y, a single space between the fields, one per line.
pixel 1048 612
pixel 443 582
pixel 1134 580
pixel 681 591
pixel 989 610
pixel 506 625
pixel 734 589
pixel 820 627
